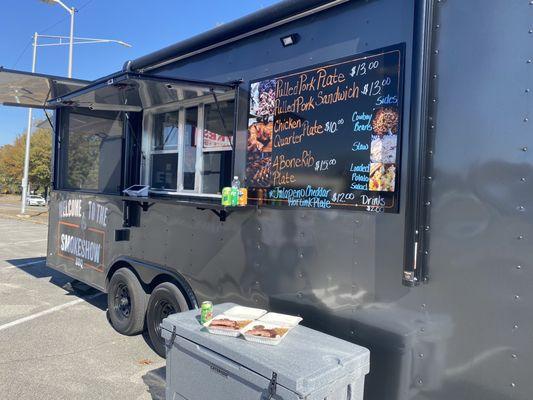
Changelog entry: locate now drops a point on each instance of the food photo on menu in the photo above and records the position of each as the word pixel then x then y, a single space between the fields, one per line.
pixel 382 177
pixel 383 150
pixel 260 128
pixel 385 136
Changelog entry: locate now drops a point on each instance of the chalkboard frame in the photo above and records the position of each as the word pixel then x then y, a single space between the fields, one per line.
pixel 394 207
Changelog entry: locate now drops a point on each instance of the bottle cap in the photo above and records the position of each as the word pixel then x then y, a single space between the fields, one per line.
pixel 235 177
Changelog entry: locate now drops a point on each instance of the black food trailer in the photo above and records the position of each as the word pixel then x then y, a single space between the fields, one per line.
pixel 385 146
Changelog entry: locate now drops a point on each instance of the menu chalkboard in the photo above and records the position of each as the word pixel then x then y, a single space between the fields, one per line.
pixel 329 136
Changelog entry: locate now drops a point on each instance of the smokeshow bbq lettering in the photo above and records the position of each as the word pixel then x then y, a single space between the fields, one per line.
pixel 98 213
pixel 70 208
pixel 82 248
pixel 76 208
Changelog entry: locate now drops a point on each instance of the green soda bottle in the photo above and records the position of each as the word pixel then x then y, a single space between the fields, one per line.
pixel 235 191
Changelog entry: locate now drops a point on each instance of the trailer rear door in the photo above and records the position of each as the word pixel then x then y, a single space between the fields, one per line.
pixel 26 89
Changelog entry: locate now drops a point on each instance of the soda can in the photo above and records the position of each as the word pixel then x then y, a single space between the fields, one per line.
pixel 243 197
pixel 226 196
pixel 207 312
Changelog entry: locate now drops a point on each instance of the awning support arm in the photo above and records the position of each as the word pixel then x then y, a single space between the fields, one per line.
pixel 45 113
pixel 221 117
pixel 49 120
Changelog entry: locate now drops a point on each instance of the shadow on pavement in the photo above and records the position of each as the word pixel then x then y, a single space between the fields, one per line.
pixel 37 268
pixel 155 381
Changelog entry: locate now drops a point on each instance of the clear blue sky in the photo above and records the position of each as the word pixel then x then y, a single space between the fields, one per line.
pixel 147 24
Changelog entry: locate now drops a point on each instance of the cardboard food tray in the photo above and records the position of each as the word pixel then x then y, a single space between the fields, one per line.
pixel 280 319
pixel 222 331
pixel 265 340
pixel 245 312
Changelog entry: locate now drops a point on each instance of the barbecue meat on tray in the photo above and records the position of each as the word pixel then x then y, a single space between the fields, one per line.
pixel 260 330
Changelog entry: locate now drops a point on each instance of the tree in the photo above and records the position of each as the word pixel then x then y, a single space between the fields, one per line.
pixel 40 160
pixel 11 165
pixel 12 162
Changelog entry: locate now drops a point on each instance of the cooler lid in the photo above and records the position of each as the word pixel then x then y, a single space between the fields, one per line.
pixel 127 91
pixel 304 361
pixel 27 89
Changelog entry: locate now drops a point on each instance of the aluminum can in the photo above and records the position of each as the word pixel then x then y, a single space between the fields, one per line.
pixel 243 197
pixel 226 196
pixel 207 312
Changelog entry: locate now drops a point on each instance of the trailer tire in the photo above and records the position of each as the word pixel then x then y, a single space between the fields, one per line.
pixel 166 299
pixel 126 303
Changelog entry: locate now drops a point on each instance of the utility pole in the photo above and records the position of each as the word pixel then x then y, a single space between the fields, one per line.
pixel 59 41
pixel 28 136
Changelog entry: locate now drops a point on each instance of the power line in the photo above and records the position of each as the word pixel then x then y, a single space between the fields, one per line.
pixel 46 30
pixel 22 53
pixel 85 5
pixel 54 25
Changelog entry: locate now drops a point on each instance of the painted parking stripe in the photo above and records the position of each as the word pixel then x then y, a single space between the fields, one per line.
pixel 24 242
pixel 29 264
pixel 46 312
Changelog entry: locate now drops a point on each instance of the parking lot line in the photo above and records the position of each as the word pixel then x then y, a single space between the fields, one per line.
pixel 24 242
pixel 46 312
pixel 23 265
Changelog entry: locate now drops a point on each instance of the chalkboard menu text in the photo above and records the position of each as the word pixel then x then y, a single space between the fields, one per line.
pixel 329 136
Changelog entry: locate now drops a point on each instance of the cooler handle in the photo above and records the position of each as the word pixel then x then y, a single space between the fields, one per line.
pixel 211 356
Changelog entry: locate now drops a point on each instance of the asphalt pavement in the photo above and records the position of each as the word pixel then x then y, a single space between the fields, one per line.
pixel 55 342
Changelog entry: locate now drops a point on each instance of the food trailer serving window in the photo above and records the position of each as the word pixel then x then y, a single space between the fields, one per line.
pixel 187 127
pixel 190 147
pixel 90 151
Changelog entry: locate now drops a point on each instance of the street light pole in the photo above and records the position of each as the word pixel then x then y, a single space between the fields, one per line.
pixel 28 136
pixel 71 44
pixel 59 42
pixel 71 11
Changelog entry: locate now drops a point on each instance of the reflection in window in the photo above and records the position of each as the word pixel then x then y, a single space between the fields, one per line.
pixel 217 171
pixel 218 136
pixel 165 171
pixel 189 149
pixel 166 131
pixel 91 152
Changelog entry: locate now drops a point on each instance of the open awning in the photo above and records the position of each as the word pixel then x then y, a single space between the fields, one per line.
pixel 26 89
pixel 126 91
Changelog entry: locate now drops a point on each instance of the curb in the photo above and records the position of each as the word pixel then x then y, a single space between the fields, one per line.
pixel 25 218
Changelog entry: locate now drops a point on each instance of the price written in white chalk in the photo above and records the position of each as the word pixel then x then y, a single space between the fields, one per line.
pixel 323 165
pixel 361 69
pixel 333 126
pixel 376 87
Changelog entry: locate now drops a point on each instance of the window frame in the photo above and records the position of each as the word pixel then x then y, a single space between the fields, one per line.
pixel 59 174
pixel 148 142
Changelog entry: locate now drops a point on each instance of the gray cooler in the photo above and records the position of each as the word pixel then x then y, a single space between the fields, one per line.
pixel 307 364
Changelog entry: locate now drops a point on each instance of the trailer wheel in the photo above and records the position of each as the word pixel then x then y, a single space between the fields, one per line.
pixel 126 302
pixel 166 299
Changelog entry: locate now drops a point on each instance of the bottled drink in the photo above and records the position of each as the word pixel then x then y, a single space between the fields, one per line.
pixel 235 190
